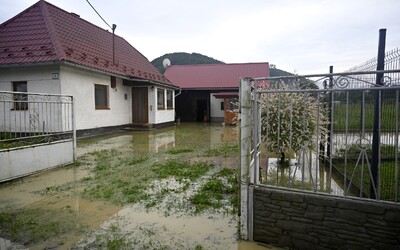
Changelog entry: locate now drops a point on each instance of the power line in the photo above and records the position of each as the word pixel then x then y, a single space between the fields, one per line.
pixel 98 14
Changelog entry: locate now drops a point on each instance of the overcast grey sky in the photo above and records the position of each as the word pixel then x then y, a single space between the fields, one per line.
pixel 298 36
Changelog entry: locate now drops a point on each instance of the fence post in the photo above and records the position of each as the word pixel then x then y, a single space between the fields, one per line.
pixel 245 147
pixel 377 116
pixel 74 128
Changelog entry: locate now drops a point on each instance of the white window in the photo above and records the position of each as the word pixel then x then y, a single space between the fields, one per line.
pixel 170 99
pixel 160 99
pixel 20 100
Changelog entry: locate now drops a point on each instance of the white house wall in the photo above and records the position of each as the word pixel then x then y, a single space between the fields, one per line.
pixel 216 114
pixel 39 78
pixel 37 118
pixel 152 104
pixel 80 83
pixel 160 116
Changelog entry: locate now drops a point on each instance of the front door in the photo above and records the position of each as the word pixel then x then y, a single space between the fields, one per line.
pixel 140 111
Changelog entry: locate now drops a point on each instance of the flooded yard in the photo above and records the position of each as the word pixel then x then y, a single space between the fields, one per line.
pixel 174 188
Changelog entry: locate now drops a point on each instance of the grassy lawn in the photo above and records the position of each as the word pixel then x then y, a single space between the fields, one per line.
pixel 361 177
pixel 388 120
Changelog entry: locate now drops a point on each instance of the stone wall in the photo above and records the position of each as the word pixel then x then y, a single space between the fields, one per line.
pixel 304 220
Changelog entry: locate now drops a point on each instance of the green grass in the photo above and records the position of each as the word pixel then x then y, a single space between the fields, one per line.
pixel 353 151
pixel 6 136
pixel 116 178
pixel 27 226
pixel 110 181
pixel 387 169
pixel 134 160
pixel 175 151
pixel 181 169
pixel 124 180
pixel 223 150
pixel 387 177
pixel 212 193
pixel 388 115
pixel 112 239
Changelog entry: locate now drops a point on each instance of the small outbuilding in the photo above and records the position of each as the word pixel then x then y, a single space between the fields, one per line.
pixel 209 92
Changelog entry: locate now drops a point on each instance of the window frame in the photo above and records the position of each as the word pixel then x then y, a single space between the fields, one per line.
pixel 170 103
pixel 20 102
pixel 106 97
pixel 160 107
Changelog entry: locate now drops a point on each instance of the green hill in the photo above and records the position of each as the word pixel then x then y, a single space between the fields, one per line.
pixel 182 58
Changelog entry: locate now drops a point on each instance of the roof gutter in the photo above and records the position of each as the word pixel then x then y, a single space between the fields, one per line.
pixel 150 82
pixel 212 89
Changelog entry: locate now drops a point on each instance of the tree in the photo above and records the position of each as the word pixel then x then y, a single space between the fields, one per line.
pixel 291 120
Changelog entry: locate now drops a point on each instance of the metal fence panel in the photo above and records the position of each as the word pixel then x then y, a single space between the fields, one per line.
pixel 31 118
pixel 321 139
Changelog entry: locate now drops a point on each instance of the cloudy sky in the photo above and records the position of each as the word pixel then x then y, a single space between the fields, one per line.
pixel 299 36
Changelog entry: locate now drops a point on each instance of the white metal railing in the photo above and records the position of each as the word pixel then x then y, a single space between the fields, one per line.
pixel 33 118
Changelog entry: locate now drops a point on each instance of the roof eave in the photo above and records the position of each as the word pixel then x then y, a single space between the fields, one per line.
pixel 31 64
pixel 212 89
pixel 72 64
pixel 148 82
pixel 126 77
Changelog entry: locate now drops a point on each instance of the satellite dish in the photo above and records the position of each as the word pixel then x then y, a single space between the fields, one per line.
pixel 166 63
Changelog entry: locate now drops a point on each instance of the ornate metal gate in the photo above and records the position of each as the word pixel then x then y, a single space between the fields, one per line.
pixel 335 134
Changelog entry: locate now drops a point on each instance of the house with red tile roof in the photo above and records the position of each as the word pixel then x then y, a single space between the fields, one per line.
pixel 50 50
pixel 208 90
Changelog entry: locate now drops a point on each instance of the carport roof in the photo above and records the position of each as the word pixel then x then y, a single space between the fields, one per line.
pixel 44 33
pixel 214 76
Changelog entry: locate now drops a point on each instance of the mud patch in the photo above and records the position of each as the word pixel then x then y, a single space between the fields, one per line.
pixel 134 226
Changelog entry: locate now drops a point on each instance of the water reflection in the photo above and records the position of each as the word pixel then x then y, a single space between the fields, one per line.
pixel 351 163
pixel 161 141
pixel 306 172
pixel 341 141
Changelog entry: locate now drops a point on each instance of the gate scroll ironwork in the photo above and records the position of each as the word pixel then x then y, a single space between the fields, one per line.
pixel 307 137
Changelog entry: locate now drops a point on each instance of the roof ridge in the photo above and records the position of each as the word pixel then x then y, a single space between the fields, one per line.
pixel 217 64
pixel 51 29
pixel 82 19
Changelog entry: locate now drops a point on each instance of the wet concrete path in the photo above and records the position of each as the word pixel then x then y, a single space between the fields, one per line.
pixel 82 222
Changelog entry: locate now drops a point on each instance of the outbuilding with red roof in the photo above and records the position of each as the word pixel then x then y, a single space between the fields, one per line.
pixel 208 91
pixel 45 49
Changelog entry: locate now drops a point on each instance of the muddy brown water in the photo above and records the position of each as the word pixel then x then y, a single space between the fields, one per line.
pixel 131 226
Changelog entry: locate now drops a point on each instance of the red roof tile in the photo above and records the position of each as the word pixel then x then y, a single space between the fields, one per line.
pixel 46 33
pixel 214 76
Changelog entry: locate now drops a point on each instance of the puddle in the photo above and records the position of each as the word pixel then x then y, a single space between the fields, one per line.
pixel 152 230
pixel 23 192
pixel 133 225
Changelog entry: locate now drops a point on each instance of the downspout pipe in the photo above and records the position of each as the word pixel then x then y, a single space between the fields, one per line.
pixel 180 92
